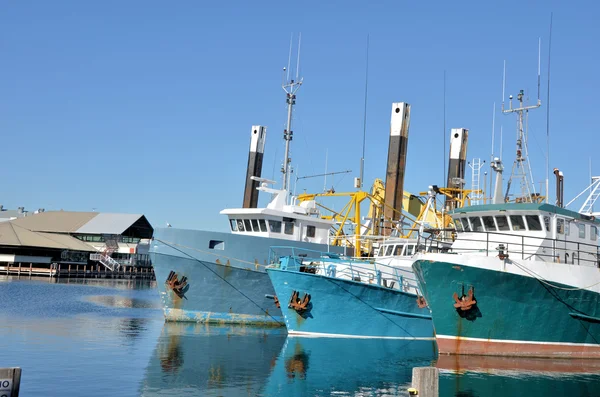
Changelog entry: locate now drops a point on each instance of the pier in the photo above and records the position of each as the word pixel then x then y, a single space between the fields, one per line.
pixel 77 271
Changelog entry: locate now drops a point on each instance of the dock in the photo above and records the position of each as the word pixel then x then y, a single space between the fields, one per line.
pixel 78 271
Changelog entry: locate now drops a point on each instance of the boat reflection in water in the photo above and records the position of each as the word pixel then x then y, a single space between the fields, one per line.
pixel 336 366
pixel 470 376
pixel 206 360
pixel 201 360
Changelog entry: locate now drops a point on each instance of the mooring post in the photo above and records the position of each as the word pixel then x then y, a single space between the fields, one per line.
pixel 10 381
pixel 19 269
pixel 425 382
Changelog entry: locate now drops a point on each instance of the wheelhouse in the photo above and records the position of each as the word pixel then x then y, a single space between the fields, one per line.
pixel 527 231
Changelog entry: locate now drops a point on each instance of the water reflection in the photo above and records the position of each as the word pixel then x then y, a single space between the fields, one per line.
pixel 202 360
pixel 467 376
pixel 344 367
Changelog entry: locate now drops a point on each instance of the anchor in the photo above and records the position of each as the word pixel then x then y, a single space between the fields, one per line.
pixel 466 302
pixel 176 285
pixel 298 304
pixel 276 300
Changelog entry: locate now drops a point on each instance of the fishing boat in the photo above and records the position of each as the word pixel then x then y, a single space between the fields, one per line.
pixel 325 295
pixel 208 276
pixel 522 278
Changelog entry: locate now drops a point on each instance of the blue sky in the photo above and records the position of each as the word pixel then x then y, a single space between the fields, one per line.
pixel 146 106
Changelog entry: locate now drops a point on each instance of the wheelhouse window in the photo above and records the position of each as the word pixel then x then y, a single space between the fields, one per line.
pixel 476 224
pixel 380 253
pixel 240 225
pixel 310 231
pixel 517 222
pixel 488 222
pixel 409 250
pixel 533 222
pixel 581 230
pixel 288 228
pixel 274 226
pixel 465 224
pixel 560 226
pixel 247 225
pixel 593 233
pixel 458 225
pixel 547 223
pixel 389 250
pixel 263 225
pixel 398 250
pixel 502 222
pixel 255 225
pixel 233 224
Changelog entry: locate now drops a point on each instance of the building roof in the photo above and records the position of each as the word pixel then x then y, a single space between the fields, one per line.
pixel 85 223
pixel 15 235
pixel 55 221
pixel 107 223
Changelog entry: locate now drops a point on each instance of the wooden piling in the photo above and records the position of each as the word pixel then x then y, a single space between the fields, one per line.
pixel 19 269
pixel 30 269
pixel 10 381
pixel 426 381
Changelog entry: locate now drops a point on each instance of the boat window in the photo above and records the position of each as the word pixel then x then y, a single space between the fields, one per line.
pixel 567 228
pixel 255 225
pixel 274 226
pixel 240 225
pixel 465 224
pixel 517 222
pixel 560 226
pixel 263 225
pixel 233 224
pixel 409 249
pixel 502 223
pixel 458 225
pixel 389 250
pixel 488 222
pixel 288 228
pixel 547 223
pixel 247 225
pixel 216 245
pixel 593 233
pixel 380 253
pixel 310 231
pixel 533 222
pixel 398 250
pixel 476 224
pixel 581 230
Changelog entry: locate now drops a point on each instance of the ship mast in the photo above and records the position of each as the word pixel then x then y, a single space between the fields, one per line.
pixel 521 169
pixel 290 87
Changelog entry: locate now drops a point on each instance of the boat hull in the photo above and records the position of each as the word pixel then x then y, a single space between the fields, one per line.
pixel 514 314
pixel 225 284
pixel 349 309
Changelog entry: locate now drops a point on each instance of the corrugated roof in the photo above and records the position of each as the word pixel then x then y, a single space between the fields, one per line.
pixel 107 223
pixel 55 221
pixel 15 235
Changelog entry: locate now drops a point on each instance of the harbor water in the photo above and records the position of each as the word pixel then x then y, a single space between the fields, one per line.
pixel 98 337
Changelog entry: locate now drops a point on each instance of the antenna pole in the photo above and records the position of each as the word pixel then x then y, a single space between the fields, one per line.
pixel 539 65
pixel 444 137
pixel 298 60
pixel 493 139
pixel 362 159
pixel 290 87
pixel 503 83
pixel 548 117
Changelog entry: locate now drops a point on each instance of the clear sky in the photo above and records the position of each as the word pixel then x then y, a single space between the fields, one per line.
pixel 146 106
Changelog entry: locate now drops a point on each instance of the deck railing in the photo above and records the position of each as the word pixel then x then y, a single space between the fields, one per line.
pixel 514 246
pixel 341 267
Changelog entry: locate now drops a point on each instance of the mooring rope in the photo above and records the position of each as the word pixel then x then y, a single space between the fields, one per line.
pixel 222 278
